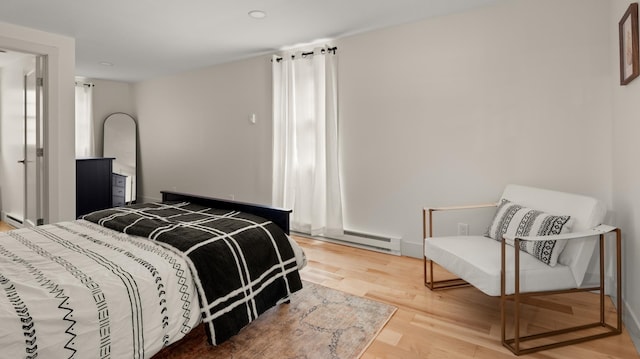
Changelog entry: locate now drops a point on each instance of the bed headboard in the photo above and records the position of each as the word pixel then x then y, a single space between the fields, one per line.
pixel 277 215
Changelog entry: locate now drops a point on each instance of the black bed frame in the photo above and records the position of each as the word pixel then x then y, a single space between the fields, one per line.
pixel 276 215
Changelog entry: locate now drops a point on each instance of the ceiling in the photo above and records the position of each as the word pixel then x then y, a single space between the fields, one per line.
pixel 143 39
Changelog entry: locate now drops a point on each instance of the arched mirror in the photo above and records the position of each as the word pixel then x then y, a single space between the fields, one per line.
pixel 120 133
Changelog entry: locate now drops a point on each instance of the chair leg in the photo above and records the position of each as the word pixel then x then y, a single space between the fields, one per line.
pixel 432 284
pixel 429 276
pixel 514 344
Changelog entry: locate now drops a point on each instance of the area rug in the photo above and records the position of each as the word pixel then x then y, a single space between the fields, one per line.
pixel 318 323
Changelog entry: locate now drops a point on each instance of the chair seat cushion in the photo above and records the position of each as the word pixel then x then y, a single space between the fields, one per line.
pixel 477 260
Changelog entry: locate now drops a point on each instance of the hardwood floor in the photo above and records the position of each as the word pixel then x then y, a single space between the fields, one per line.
pixel 455 323
pixel 5 227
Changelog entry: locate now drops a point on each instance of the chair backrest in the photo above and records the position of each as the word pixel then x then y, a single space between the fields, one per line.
pixel 587 212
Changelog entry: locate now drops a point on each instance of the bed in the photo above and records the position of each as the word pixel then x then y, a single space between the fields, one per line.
pixel 129 281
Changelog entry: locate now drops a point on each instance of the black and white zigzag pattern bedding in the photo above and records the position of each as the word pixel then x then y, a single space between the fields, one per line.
pixel 243 264
pixel 79 290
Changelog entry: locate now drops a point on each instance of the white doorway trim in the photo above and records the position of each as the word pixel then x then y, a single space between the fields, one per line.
pixel 23 116
pixel 59 190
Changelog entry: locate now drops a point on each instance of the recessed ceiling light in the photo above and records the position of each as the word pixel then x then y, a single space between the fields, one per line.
pixel 105 63
pixel 257 14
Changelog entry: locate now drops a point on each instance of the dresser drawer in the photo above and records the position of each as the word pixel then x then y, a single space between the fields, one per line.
pixel 118 180
pixel 118 201
pixel 118 191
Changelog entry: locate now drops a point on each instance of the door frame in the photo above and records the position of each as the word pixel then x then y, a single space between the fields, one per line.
pixel 60 184
pixel 40 70
pixel 33 154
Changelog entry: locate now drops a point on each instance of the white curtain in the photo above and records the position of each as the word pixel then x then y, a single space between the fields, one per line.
pixel 84 121
pixel 306 178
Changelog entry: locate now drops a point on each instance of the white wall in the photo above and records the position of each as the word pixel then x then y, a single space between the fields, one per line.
pixel 626 175
pixel 109 97
pixel 12 136
pixel 195 134
pixel 449 110
pixel 442 111
pixel 59 149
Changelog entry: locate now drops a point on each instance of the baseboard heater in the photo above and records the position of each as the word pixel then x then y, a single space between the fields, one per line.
pixel 15 219
pixel 364 241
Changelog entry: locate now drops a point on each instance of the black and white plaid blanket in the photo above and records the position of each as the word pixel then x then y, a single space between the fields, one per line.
pixel 243 264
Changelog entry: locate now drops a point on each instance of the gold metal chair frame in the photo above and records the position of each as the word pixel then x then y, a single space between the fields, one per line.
pixel 518 298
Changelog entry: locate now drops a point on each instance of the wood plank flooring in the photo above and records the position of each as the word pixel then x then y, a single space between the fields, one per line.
pixel 454 323
pixel 5 227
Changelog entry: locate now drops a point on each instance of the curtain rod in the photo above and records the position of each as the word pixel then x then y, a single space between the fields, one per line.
pixel 330 49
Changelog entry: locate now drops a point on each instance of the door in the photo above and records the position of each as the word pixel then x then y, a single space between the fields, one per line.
pixel 34 114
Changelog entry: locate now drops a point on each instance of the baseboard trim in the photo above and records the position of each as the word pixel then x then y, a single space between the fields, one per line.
pixel 412 249
pixel 632 324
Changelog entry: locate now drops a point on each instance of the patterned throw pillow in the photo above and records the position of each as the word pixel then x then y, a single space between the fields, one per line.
pixel 515 220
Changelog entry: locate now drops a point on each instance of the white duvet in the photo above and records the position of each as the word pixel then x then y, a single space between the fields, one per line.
pixel 78 290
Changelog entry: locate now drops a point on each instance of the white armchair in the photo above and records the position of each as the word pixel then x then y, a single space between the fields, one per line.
pixel 556 233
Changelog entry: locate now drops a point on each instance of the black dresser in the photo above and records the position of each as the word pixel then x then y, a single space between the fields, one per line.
pixel 93 184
